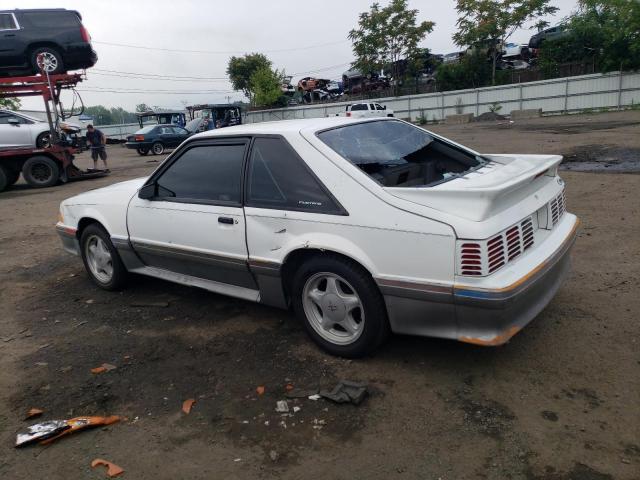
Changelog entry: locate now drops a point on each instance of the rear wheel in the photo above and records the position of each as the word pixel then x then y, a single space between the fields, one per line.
pixel 157 148
pixel 340 306
pixel 41 171
pixel 101 259
pixel 47 59
pixel 142 151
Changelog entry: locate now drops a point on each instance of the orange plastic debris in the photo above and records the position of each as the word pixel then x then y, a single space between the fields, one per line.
pixel 187 404
pixel 260 390
pixel 113 470
pixel 80 423
pixel 288 387
pixel 105 367
pixel 34 412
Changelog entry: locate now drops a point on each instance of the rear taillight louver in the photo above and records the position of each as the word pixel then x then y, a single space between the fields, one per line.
pixel 527 233
pixel 471 259
pixel 495 253
pixel 558 207
pixel 483 257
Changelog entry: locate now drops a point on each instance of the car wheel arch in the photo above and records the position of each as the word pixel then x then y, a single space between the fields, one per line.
pixel 34 46
pixel 299 256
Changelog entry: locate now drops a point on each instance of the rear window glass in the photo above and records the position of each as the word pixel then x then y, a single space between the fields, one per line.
pixel 397 154
pixel 148 129
pixel 52 19
pixel 7 22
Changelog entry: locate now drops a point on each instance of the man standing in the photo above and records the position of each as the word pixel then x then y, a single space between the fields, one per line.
pixel 96 139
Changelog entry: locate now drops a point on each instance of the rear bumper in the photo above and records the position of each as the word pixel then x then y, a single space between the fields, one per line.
pixel 486 317
pixel 69 239
pixel 136 145
pixel 79 55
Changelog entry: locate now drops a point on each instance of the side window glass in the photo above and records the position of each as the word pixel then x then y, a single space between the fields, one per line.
pixel 210 173
pixel 371 106
pixel 7 22
pixel 279 179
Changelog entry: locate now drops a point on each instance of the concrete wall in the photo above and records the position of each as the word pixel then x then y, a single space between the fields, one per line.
pixel 571 94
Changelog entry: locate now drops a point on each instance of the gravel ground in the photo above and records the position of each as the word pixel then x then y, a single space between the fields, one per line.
pixel 559 402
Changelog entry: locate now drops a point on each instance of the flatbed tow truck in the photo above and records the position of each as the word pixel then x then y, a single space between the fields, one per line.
pixel 42 167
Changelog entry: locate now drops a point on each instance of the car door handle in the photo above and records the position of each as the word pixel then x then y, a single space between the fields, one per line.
pixel 225 220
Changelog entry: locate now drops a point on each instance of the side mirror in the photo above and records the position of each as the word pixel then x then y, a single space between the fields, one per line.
pixel 384 107
pixel 13 121
pixel 147 192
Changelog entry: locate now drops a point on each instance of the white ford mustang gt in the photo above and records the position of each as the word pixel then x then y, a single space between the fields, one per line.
pixel 363 227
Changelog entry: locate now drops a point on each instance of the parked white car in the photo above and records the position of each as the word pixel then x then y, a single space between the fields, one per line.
pixel 20 130
pixel 367 110
pixel 362 226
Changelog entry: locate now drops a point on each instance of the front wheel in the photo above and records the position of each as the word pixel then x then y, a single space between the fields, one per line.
pixel 101 259
pixel 157 148
pixel 340 306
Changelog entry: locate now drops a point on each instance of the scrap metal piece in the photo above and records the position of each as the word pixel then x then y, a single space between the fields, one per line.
pixel 346 392
pixel 282 406
pixel 41 431
pixel 34 412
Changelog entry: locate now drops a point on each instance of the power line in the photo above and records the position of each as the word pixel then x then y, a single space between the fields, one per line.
pixel 218 52
pixel 158 75
pixel 163 79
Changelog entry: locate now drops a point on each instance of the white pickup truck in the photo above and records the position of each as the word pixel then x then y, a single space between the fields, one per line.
pixel 366 110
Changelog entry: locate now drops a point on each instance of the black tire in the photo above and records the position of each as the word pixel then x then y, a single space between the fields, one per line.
pixel 119 278
pixel 157 148
pixel 376 325
pixel 53 56
pixel 4 178
pixel 142 151
pixel 41 171
pixel 43 140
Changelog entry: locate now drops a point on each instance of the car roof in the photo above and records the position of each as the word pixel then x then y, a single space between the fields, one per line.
pixel 37 10
pixel 287 126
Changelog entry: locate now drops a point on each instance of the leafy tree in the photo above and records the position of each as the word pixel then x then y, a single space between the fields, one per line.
pixel 10 103
pixel 241 69
pixel 386 35
pixel 142 107
pixel 264 83
pixel 606 31
pixel 473 71
pixel 489 23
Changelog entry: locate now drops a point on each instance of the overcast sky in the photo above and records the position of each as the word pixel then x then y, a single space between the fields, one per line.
pixel 301 37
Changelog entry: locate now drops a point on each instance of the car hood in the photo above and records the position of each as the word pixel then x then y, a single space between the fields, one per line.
pixel 117 193
pixel 478 195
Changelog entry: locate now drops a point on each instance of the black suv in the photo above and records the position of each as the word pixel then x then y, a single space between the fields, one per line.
pixel 54 37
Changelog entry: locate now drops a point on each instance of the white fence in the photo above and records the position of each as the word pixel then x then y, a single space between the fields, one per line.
pixel 570 94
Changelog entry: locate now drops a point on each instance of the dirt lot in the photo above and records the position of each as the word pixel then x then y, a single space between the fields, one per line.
pixel 559 402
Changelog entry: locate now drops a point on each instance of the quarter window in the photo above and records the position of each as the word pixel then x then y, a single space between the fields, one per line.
pixel 210 173
pixel 7 22
pixel 279 179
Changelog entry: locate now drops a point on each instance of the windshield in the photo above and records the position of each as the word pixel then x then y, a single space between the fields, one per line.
pixel 397 154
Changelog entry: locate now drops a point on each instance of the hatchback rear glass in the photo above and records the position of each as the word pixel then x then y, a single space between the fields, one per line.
pixel 396 154
pixel 148 129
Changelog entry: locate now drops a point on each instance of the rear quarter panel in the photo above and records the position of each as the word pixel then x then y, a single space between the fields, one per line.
pixel 390 243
